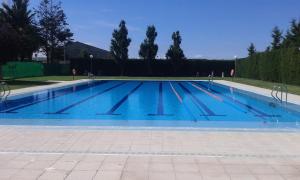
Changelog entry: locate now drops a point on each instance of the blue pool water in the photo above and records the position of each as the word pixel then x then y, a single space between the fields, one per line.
pixel 148 104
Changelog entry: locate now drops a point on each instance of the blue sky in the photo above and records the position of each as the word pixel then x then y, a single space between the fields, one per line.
pixel 210 28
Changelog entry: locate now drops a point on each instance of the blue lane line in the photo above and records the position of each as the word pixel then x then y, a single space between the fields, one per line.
pixel 200 103
pixel 86 99
pixel 51 95
pixel 252 109
pixel 118 104
pixel 160 106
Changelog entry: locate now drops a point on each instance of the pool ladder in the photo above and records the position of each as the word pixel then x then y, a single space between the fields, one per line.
pixel 4 91
pixel 279 92
pixel 211 78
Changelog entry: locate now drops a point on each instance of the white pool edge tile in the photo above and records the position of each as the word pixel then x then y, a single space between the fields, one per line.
pixel 45 87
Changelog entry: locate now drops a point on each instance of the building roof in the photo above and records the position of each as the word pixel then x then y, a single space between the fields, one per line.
pixel 80 50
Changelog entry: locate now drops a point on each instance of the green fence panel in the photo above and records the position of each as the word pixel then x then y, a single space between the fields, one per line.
pixel 13 70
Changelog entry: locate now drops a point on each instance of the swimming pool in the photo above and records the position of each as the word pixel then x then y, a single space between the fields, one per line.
pixel 148 104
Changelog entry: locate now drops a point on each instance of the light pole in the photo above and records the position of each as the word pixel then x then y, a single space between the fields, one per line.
pixel 235 65
pixel 65 54
pixel 91 67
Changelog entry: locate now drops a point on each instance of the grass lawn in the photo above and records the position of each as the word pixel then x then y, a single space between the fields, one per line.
pixel 46 80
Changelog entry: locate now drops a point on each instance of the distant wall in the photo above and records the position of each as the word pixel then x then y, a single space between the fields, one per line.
pixel 136 67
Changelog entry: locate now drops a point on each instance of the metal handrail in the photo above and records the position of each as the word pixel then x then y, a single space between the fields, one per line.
pixel 211 78
pixel 6 91
pixel 284 89
pixel 2 91
pixel 280 90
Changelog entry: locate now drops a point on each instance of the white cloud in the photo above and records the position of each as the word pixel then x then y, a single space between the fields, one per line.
pixel 198 56
pixel 133 28
pixel 105 24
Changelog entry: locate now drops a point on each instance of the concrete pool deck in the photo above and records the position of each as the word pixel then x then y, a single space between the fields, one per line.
pixel 28 152
pixel 45 87
pixel 67 153
pixel 292 98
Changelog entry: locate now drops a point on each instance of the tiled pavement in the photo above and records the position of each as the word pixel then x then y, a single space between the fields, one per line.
pixel 67 153
pixel 116 167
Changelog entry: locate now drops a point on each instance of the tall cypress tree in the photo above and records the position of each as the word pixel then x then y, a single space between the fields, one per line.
pixel 119 45
pixel 251 50
pixel 292 38
pixel 277 38
pixel 148 48
pixel 175 52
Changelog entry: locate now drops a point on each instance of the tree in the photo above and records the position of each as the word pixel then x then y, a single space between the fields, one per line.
pixel 119 45
pixel 54 31
pixel 277 38
pixel 9 43
pixel 18 23
pixel 251 50
pixel 175 52
pixel 292 38
pixel 148 48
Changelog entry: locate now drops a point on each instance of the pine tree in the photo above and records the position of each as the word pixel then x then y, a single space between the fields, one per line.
pixel 251 50
pixel 277 38
pixel 119 45
pixel 54 29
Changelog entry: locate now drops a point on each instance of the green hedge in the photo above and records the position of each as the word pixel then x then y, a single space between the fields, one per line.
pixel 137 67
pixel 57 69
pixel 282 66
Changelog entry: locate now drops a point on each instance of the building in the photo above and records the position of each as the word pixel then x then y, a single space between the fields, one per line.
pixel 76 50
